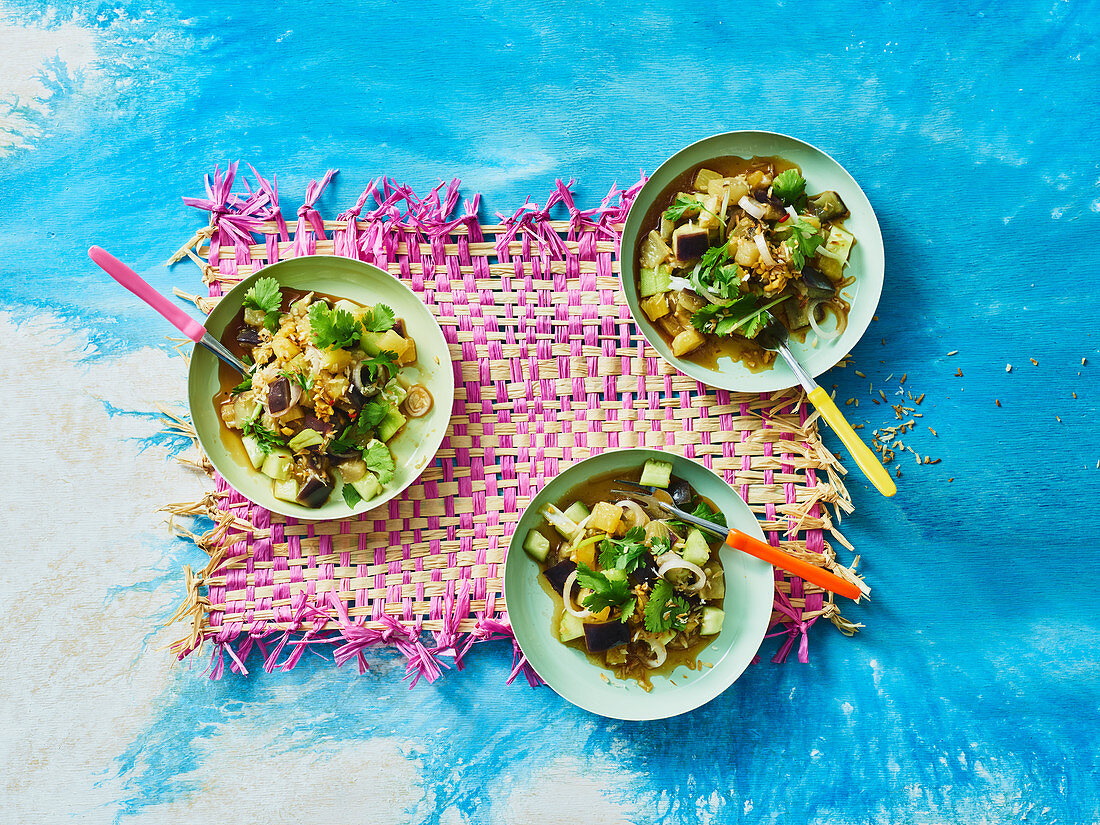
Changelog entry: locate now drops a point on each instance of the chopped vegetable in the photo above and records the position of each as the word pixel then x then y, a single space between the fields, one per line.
pixel 656 473
pixel 789 186
pixel 536 545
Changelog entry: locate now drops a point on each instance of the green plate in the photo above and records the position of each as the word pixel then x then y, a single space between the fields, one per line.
pixel 747 604
pixel 413 447
pixel 867 261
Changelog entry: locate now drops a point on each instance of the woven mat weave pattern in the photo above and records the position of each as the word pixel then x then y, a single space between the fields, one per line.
pixel 549 368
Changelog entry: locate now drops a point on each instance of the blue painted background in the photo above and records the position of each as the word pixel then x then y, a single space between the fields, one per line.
pixel 971 696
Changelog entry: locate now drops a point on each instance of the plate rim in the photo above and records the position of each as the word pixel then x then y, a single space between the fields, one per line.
pixel 445 369
pixel 716 378
pixel 763 571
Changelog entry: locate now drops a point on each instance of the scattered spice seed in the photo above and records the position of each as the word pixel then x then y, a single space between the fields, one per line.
pixel 860 374
pixel 848 403
pixel 927 460
pixel 899 472
pixel 919 398
pixel 858 427
pixel 884 342
pixel 934 432
pixel 953 352
pixel 935 461
pixel 959 373
pixel 950 479
pixel 1033 361
pixel 875 400
pixel 880 392
pixel 997 401
pixel 1059 418
pixel 1083 362
pixel 904 375
pixel 1075 396
pixel 1008 368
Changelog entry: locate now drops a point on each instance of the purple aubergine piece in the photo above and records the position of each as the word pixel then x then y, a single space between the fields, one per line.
pixel 762 196
pixel 645 574
pixel 310 422
pixel 606 635
pixel 817 285
pixel 278 396
pixel 557 574
pixel 316 491
pixel 248 336
pixel 689 245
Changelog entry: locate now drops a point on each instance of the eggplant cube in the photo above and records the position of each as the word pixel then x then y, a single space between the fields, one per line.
pixel 605 635
pixel 689 242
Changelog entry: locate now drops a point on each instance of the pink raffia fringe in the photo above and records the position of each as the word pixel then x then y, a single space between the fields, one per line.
pixel 385 216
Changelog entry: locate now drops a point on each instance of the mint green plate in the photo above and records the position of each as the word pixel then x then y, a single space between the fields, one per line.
pixel 867 261
pixel 413 447
pixel 748 604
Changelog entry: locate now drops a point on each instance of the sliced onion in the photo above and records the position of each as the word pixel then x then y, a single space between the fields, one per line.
pixel 725 203
pixel 755 209
pixel 567 598
pixel 677 563
pixel 824 335
pixel 659 653
pixel 762 245
pixel 640 518
pixel 828 253
pixel 791 212
pixel 677 282
pixel 657 529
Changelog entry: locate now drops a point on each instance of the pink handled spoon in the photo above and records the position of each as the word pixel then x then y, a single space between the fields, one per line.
pixel 169 311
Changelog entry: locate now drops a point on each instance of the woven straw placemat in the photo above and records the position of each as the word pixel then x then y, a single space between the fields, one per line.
pixel 549 368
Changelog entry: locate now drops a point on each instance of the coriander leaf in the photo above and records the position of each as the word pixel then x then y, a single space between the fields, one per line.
pixel 665 610
pixel 351 495
pixel 244 386
pixel 271 321
pixel 267 438
pixel 605 592
pixel 703 511
pixel 371 415
pixel 301 379
pixel 628 610
pixel 263 295
pixel 333 329
pixel 625 554
pixel 802 243
pixel 384 360
pixel 683 203
pixel 379 461
pixel 659 546
pixel 789 186
pixel 379 319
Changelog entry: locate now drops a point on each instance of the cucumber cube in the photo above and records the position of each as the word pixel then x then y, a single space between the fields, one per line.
pixel 657 473
pixel 252 449
pixel 277 464
pixel 570 627
pixel 711 622
pixel 368 486
pixel 696 549
pixel 287 490
pixel 537 545
pixel 577 512
pixel 654 281
pixel 389 425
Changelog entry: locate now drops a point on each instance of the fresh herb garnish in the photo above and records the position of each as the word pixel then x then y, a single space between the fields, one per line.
pixel 265 296
pixel 267 438
pixel 379 319
pixel 301 379
pixel 384 360
pixel 704 512
pixel 605 592
pixel 626 554
pixel 742 316
pixel 333 328
pixel 379 461
pixel 665 610
pixel 369 417
pixel 717 275
pixel 244 386
pixel 682 204
pixel 789 186
pixel 802 243
pixel 351 495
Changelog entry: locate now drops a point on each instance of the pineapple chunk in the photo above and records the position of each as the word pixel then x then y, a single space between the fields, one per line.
pixel 284 348
pixel 703 179
pixel 654 250
pixel 585 555
pixel 335 360
pixel 655 307
pixel 687 341
pixel 391 341
pixel 605 517
pixel 409 355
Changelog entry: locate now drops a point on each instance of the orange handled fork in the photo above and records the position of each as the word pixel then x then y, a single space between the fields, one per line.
pixel 658 508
